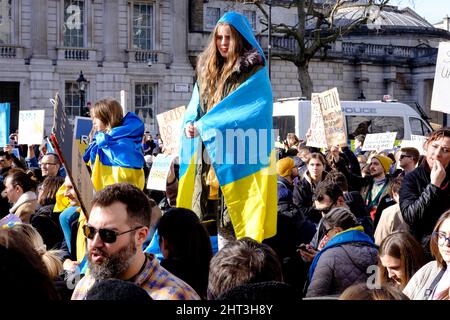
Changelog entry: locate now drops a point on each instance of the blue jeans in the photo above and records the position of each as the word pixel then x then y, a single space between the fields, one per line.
pixel 66 218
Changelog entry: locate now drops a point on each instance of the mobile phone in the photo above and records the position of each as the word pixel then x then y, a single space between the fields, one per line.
pixel 302 247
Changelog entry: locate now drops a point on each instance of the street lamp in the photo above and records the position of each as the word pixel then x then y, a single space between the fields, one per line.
pixel 269 38
pixel 82 82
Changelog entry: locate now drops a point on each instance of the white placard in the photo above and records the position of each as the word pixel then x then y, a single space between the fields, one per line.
pixel 379 141
pixel 31 126
pixel 412 144
pixel 317 138
pixel 169 123
pixel 440 100
pixel 157 179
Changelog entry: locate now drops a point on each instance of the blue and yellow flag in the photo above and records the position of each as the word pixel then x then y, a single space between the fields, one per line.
pixel 237 134
pixel 117 156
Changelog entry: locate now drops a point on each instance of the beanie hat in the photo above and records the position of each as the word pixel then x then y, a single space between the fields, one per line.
pixel 284 166
pixel 385 162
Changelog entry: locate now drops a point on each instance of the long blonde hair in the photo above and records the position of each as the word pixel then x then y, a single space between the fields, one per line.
pixel 213 70
pixel 50 258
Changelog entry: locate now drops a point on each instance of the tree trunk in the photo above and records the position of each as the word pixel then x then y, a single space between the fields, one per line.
pixel 305 80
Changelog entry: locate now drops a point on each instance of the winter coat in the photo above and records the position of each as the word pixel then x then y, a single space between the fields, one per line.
pixel 303 197
pixel 385 200
pixel 420 286
pixel 341 266
pixel 422 203
pixel 25 206
pixel 391 220
pixel 47 224
pixel 247 65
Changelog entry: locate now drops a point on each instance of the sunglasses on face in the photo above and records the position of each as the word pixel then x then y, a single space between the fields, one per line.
pixel 106 235
pixel 404 156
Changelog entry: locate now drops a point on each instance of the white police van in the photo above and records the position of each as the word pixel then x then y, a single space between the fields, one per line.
pixel 361 117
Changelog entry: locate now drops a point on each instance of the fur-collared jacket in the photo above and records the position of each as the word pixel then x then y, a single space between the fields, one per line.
pixel 25 206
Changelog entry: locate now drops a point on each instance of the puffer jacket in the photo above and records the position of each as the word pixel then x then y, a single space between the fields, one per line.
pixel 422 203
pixel 340 267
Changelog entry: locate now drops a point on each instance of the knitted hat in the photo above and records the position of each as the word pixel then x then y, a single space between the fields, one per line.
pixel 385 162
pixel 284 166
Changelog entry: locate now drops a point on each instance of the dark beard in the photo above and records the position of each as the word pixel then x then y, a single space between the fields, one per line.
pixel 113 266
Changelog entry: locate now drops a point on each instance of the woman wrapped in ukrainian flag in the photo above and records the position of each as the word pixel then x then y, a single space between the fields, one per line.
pixel 115 153
pixel 232 94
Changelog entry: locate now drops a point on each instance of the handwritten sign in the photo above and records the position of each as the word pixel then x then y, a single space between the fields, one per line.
pixel 379 141
pixel 31 126
pixel 440 99
pixel 159 172
pixel 81 131
pixel 333 118
pixel 412 144
pixel 5 110
pixel 170 129
pixel 317 138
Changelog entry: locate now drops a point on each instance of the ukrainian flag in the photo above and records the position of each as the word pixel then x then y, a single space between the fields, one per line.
pixel 237 134
pixel 117 156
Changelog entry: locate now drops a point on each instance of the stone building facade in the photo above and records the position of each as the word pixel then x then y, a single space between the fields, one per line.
pixel 148 48
pixel 136 46
pixel 395 55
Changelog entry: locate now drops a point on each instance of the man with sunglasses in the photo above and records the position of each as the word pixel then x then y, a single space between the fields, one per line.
pixel 117 227
pixel 408 160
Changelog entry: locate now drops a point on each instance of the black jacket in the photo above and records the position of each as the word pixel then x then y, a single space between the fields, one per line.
pixel 47 224
pixel 303 198
pixel 422 203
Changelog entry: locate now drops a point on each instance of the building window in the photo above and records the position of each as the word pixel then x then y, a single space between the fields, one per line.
pixel 74 23
pixel 212 15
pixel 72 99
pixel 145 103
pixel 6 21
pixel 251 16
pixel 143 28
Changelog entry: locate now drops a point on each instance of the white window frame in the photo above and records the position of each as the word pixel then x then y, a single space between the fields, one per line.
pixel 152 124
pixel 251 20
pixel 71 115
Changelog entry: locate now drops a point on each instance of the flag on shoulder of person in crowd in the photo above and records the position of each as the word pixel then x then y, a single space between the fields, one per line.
pixel 245 170
pixel 117 153
pixel 9 220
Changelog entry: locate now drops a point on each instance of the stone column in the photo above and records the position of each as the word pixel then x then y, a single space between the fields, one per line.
pixel 39 28
pixel 111 30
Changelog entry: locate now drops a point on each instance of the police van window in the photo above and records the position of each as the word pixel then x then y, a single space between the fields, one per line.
pixel 366 124
pixel 284 124
pixel 418 127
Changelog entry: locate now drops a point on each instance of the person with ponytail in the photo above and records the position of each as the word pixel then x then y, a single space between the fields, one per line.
pixel 20 188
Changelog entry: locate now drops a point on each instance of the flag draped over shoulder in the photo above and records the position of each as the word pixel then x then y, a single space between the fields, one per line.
pixel 237 134
pixel 117 156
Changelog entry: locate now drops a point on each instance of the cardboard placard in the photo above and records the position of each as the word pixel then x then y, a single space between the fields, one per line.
pixel 170 123
pixel 317 138
pixel 379 141
pixel 157 179
pixel 333 118
pixel 31 126
pixel 440 99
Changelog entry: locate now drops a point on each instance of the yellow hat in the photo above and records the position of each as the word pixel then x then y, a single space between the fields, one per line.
pixel 284 166
pixel 385 162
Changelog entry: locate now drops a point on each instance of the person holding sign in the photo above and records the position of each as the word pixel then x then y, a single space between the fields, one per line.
pixel 232 93
pixel 115 153
pixel 425 192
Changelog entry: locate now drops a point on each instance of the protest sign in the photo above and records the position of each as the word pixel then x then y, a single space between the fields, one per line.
pixel 81 132
pixel 412 144
pixel 170 123
pixel 62 129
pixel 333 118
pixel 317 137
pixel 5 110
pixel 379 141
pixel 31 126
pixel 440 99
pixel 159 172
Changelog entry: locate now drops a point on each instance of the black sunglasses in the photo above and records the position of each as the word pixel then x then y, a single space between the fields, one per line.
pixel 107 236
pixel 404 156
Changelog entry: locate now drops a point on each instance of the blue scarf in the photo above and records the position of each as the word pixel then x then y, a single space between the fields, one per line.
pixel 352 235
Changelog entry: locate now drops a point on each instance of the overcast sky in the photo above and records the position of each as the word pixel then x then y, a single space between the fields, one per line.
pixel 432 10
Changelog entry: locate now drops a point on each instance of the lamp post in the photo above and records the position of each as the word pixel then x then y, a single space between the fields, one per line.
pixel 269 38
pixel 82 89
